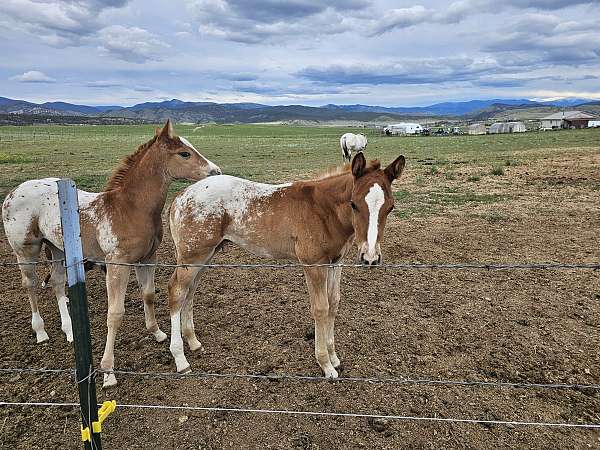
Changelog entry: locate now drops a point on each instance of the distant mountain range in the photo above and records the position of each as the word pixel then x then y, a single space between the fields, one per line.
pixel 202 112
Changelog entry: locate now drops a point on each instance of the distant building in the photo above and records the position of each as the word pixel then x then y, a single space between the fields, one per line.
pixel 403 128
pixel 507 127
pixel 477 128
pixel 594 124
pixel 566 119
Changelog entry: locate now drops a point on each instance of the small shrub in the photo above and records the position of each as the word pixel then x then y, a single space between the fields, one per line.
pixel 450 176
pixel 420 181
pixel 473 178
pixel 497 170
pixel 433 170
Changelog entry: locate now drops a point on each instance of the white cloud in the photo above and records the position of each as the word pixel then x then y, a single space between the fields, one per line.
pixel 33 76
pixel 132 44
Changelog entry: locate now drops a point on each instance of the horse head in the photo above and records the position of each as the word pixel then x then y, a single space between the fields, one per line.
pixel 371 202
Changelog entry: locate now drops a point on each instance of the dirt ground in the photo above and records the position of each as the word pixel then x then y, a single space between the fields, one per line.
pixel 536 326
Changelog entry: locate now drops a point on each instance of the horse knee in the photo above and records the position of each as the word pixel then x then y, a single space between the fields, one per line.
pixel 29 280
pixel 320 312
pixel 115 317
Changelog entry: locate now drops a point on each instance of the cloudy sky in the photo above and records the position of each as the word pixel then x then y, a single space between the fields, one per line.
pixel 394 53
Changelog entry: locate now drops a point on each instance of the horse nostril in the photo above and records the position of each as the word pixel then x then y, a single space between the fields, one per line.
pixel 215 172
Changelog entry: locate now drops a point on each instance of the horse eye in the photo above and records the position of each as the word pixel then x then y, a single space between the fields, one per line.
pixel 354 207
pixel 185 155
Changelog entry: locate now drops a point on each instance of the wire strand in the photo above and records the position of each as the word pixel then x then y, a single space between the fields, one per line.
pixel 309 378
pixel 452 266
pixel 324 414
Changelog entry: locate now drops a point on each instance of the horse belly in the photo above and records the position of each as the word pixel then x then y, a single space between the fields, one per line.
pixel 263 236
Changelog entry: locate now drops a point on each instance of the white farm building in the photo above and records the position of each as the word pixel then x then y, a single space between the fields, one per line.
pixel 477 128
pixel 403 128
pixel 507 127
pixel 566 119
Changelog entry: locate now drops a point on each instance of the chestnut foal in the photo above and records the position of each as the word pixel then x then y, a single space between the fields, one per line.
pixel 121 224
pixel 312 222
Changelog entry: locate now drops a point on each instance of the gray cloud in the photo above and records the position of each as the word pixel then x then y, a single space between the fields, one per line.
pixel 548 4
pixel 257 21
pixel 541 40
pixel 409 71
pixel 59 23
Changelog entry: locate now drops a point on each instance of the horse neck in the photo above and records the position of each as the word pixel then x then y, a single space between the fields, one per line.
pixel 144 186
pixel 334 193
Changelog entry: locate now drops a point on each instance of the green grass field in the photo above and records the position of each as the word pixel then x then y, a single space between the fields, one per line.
pixel 442 172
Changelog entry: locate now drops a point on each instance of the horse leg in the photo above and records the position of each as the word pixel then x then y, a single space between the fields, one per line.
pixel 334 275
pixel 29 280
pixel 117 278
pixel 316 280
pixel 145 278
pixel 180 284
pixel 58 278
pixel 187 317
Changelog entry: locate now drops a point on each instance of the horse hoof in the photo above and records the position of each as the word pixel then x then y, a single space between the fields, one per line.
pixel 160 336
pixel 109 381
pixel 188 369
pixel 195 346
pixel 331 374
pixel 42 337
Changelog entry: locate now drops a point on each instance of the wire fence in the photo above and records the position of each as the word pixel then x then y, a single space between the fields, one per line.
pixel 385 266
pixel 400 380
pixel 305 378
pixel 319 414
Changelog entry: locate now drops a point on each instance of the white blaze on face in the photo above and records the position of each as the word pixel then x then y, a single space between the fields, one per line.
pixel 375 199
pixel 211 165
pixel 184 141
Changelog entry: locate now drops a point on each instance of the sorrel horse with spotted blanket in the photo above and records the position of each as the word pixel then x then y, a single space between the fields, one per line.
pixel 312 222
pixel 121 224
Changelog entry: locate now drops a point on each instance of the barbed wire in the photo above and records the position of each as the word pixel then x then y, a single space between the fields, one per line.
pixel 417 266
pixel 52 371
pixel 41 262
pixel 389 266
pixel 370 380
pixel 320 414
pixel 290 377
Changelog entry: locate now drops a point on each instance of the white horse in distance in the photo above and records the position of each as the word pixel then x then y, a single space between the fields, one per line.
pixel 352 143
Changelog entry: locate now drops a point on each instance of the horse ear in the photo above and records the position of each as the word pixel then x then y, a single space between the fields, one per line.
pixel 394 170
pixel 358 165
pixel 167 129
pixel 157 131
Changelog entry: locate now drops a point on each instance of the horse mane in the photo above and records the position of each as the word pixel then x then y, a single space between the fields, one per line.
pixel 335 171
pixel 120 174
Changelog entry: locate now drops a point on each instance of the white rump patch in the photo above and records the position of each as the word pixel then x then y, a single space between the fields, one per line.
pixel 375 199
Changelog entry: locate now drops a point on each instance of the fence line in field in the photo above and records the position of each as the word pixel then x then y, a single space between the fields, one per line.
pixel 400 380
pixel 320 414
pixel 303 378
pixel 387 266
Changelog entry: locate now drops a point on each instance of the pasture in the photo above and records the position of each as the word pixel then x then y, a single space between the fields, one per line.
pixel 531 197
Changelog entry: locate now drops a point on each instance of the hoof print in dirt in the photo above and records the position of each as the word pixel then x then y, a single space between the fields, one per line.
pixel 378 424
pixel 302 442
